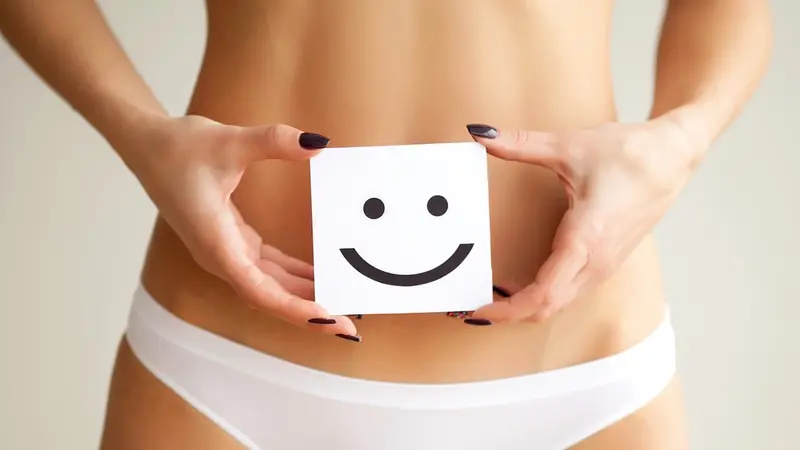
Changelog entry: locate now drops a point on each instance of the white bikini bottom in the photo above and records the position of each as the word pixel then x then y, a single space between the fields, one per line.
pixel 268 403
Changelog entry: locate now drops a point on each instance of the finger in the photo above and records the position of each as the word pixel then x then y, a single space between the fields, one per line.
pixel 558 278
pixel 252 241
pixel 280 142
pixel 534 147
pixel 268 295
pixel 261 291
pixel 299 286
pixel 258 251
pixel 552 288
pixel 504 309
pixel 292 265
pixel 557 281
pixel 554 284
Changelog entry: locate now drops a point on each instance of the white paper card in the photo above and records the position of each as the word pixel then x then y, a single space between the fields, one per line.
pixel 401 229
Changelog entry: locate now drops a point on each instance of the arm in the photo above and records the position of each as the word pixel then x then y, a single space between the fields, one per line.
pixel 189 166
pixel 70 46
pixel 711 56
pixel 622 178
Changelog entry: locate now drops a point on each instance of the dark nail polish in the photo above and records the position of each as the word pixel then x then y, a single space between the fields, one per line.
pixel 322 321
pixel 350 337
pixel 501 292
pixel 480 130
pixel 479 322
pixel 313 141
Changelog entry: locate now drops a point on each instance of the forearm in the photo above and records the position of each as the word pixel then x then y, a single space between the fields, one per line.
pixel 70 46
pixel 711 56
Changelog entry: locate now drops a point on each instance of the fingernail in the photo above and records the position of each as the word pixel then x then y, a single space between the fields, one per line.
pixel 479 322
pixel 313 141
pixel 350 337
pixel 501 292
pixel 322 321
pixel 480 130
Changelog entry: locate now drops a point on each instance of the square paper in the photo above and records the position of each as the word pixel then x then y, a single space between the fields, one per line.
pixel 401 229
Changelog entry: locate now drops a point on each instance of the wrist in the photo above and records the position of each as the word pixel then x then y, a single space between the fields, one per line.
pixel 132 132
pixel 690 128
pixel 119 114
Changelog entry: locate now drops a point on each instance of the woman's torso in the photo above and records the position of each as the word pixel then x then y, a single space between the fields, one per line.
pixel 371 73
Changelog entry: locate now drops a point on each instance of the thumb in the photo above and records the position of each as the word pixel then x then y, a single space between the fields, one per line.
pixel 280 142
pixel 534 147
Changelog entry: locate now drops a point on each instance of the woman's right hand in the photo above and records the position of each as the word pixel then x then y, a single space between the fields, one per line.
pixel 189 166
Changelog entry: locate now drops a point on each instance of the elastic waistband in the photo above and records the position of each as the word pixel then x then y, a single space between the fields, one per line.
pixel 652 359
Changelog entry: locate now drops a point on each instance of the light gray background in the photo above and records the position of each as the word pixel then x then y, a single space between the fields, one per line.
pixel 74 225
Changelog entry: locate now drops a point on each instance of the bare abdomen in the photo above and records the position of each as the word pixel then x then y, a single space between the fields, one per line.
pixel 375 73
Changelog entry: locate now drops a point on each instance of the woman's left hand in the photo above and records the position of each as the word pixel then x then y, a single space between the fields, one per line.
pixel 620 180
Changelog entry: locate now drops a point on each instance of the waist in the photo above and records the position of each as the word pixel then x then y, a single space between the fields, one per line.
pixel 345 86
pixel 428 348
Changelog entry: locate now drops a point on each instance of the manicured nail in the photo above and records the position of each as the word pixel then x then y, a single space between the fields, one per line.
pixel 313 141
pixel 322 321
pixel 350 337
pixel 501 292
pixel 479 322
pixel 480 130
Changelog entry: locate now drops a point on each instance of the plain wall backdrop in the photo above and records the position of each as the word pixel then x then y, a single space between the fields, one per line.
pixel 74 225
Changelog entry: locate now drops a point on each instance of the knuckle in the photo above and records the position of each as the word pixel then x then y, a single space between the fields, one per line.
pixel 593 250
pixel 282 302
pixel 263 303
pixel 604 269
pixel 567 144
pixel 600 263
pixel 272 133
pixel 632 144
pixel 252 304
pixel 571 147
pixel 542 315
pixel 549 312
pixel 594 257
pixel 648 166
pixel 548 298
pixel 272 140
pixel 271 268
pixel 593 229
pixel 520 138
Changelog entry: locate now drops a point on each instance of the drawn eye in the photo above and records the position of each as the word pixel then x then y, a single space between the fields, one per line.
pixel 437 205
pixel 374 208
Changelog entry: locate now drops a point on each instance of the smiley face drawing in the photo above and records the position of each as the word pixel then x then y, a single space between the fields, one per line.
pixel 374 208
pixel 401 229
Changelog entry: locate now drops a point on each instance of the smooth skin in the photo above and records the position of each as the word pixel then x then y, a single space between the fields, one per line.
pixel 574 194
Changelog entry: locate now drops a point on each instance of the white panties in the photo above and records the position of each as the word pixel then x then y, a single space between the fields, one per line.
pixel 268 403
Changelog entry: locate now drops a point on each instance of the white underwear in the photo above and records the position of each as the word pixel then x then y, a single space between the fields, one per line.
pixel 268 403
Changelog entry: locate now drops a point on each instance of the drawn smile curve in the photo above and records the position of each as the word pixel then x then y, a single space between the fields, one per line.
pixel 414 279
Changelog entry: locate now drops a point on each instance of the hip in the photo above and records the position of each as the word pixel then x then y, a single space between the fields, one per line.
pixel 427 348
pixel 228 383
